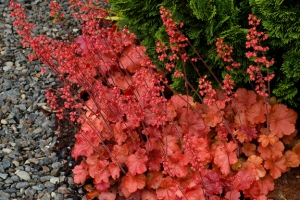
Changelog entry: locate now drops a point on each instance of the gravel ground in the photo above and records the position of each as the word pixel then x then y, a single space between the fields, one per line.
pixel 30 168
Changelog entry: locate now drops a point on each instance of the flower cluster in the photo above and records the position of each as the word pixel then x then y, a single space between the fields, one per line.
pixel 255 38
pixel 177 42
pixel 224 51
pixel 55 11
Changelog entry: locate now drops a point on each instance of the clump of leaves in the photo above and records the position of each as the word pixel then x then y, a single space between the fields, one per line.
pixel 138 144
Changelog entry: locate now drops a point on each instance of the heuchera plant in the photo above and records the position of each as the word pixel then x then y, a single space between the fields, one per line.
pixel 137 142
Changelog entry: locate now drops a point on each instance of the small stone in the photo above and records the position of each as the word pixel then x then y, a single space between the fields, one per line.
pixel 23 175
pixel 50 189
pixel 54 180
pixel 30 192
pixel 15 178
pixel 3 121
pixel 13 144
pixel 22 185
pixel 58 196
pixel 45 169
pixel 54 172
pixel 63 190
pixel 23 96
pixel 16 163
pixel 4 197
pixel 6 164
pixel 38 187
pixel 3 176
pixel 6 150
pixel 48 184
pixel 38 130
pixel 11 190
pixel 22 107
pixel 45 178
pixel 56 165
pixel 8 181
pixel 4 140
pixel 32 160
pixel 10 64
pixel 6 68
pixel 46 197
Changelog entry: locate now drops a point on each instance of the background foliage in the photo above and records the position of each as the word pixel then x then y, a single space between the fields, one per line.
pixel 206 20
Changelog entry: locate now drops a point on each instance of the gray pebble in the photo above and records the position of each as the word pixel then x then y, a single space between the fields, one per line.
pixel 38 187
pixel 6 163
pixel 8 180
pixel 3 176
pixel 23 175
pixel 56 165
pixel 58 196
pixel 15 178
pixel 22 185
pixel 30 192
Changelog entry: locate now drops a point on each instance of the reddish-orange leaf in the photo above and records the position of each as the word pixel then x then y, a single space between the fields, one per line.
pixel 296 148
pixel 168 188
pixel 265 140
pixel 119 133
pixel 254 164
pixel 244 99
pixel 80 172
pixel 211 183
pixel 136 162
pixel 171 110
pixel 225 156
pixel 107 196
pixel 170 144
pixel 243 180
pixel 195 193
pixel 121 80
pixel 256 114
pixel 179 101
pixel 240 119
pixel 249 149
pixel 121 153
pixel 292 159
pixel 148 195
pixel 282 120
pixel 132 57
pixel 155 159
pixel 93 194
pixel 253 192
pixel 271 151
pixel 192 123
pixel 266 184
pixel 177 165
pixel 245 133
pixel 288 139
pixel 200 147
pixel 213 116
pixel 114 170
pixel 133 183
pixel 86 142
pixel 100 171
pixel 233 195
pixel 153 180
pixel 276 166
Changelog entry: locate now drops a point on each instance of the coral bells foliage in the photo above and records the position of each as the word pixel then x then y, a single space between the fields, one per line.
pixel 138 144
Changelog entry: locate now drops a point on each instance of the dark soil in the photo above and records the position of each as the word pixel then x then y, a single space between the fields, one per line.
pixel 287 187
